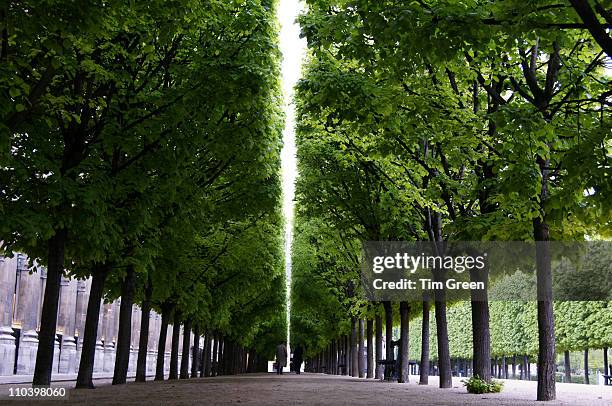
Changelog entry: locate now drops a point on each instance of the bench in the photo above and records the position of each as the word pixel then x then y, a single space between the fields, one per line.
pixel 607 379
pixel 341 368
pixel 389 368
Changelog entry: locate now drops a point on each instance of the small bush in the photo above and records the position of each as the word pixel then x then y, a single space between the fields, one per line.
pixel 477 385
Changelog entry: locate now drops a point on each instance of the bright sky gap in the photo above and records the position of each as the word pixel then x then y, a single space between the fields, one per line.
pixel 293 51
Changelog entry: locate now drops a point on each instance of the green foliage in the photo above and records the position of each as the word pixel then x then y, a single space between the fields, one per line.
pixel 486 115
pixel 150 133
pixel 477 386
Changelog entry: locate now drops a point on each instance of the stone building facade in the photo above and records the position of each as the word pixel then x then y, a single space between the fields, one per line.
pixel 21 294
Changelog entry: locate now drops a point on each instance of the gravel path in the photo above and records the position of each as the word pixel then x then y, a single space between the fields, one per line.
pixel 317 389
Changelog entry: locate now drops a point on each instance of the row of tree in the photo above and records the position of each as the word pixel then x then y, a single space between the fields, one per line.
pixel 437 121
pixel 141 148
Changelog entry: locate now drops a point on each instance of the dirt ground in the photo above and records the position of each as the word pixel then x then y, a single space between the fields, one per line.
pixel 315 389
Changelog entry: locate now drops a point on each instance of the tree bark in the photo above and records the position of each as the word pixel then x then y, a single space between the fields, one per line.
pixel 597 30
pixel 143 339
pixel 370 339
pixel 361 349
pixel 56 246
pixel 90 332
pixel 221 356
pixel 389 356
pixel 176 331
pixel 529 371
pixel 348 364
pixel 195 353
pixel 586 366
pixel 228 357
pixel 605 359
pixel 567 367
pixel 444 368
pixel 161 344
pixel 207 354
pixel 424 367
pixel 379 346
pixel 334 357
pixel 354 356
pixel 546 319
pixel 215 357
pixel 195 357
pixel 404 371
pixel 481 336
pixel 186 347
pixel 124 335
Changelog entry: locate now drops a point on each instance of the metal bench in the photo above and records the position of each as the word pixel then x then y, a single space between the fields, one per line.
pixel 607 379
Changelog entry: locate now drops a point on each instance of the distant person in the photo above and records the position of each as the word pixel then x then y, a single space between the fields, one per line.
pixel 281 358
pixel 298 358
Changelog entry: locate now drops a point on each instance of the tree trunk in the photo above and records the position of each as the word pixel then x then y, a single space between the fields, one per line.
pixel 529 371
pixel 354 356
pixel 143 339
pixel 361 349
pixel 161 344
pixel 90 332
pixel 379 346
pixel 514 366
pixel 444 368
pixel 389 356
pixel 403 349
pixel 370 339
pixel 335 356
pixel 586 366
pixel 214 367
pixel 215 357
pixel 48 319
pixel 326 359
pixel 424 367
pixel 495 371
pixel 221 356
pixel 195 357
pixel 605 359
pixel 347 356
pixel 176 331
pixel 207 354
pixel 124 335
pixel 481 337
pixel 546 319
pixel 229 357
pixel 591 22
pixel 185 352
pixel 567 367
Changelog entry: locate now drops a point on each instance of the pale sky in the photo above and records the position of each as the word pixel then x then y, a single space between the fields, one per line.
pixel 293 50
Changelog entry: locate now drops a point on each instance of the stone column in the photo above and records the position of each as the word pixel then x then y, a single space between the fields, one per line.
pixel 66 326
pixel 102 320
pixel 192 339
pixel 82 297
pixel 168 348
pixel 26 315
pixel 135 337
pixel 110 335
pixel 154 323
pixel 8 273
pixel 180 346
